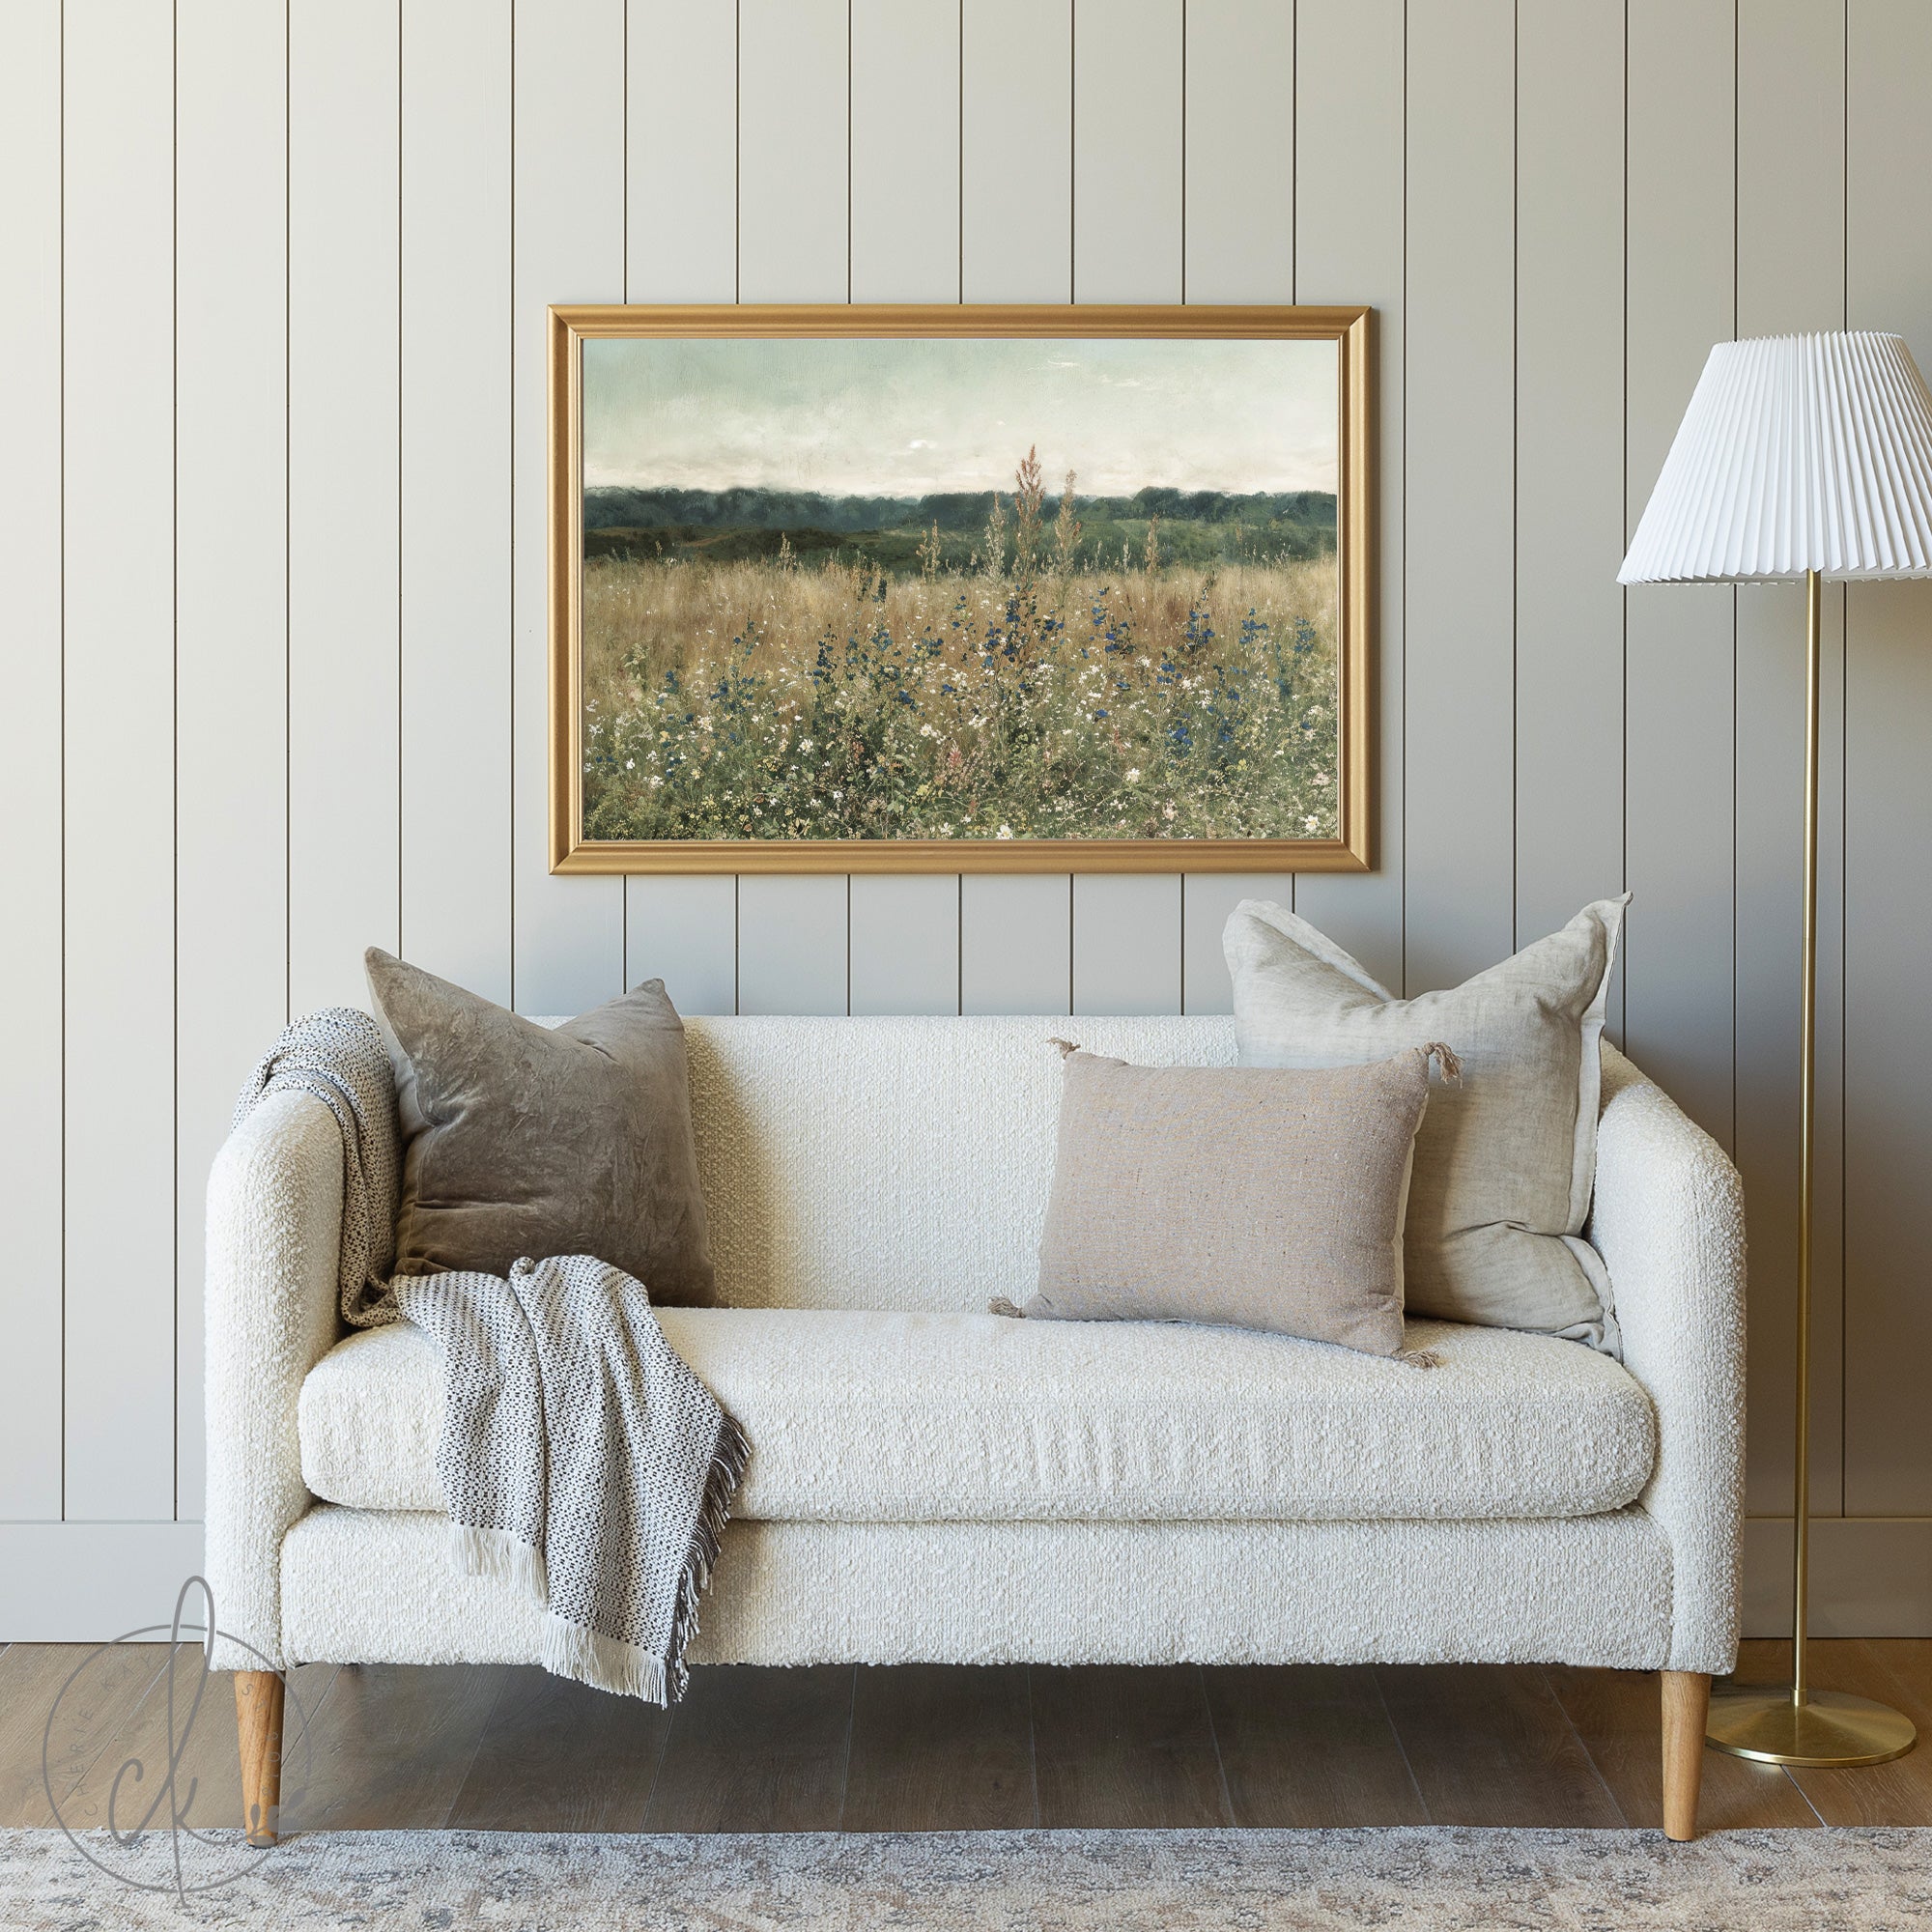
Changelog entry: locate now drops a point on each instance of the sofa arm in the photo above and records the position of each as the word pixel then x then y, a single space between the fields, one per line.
pixel 275 1227
pixel 1669 1222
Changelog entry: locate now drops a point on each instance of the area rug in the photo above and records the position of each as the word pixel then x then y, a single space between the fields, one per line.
pixel 1785 1881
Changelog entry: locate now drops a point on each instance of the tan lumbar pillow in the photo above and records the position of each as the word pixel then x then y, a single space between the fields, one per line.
pixel 1244 1196
pixel 1505 1161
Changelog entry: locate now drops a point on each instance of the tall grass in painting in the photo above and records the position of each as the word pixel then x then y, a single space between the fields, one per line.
pixel 1030 690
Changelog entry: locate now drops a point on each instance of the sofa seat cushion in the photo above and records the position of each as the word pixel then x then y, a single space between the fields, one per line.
pixel 857 1416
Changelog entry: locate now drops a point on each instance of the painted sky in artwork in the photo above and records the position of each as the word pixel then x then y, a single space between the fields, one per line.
pixel 903 417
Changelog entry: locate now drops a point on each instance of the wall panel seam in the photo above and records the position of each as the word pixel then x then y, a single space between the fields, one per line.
pixel 1623 500
pixel 288 515
pixel 737 149
pixel 1515 472
pixel 174 726
pixel 401 499
pixel 1403 721
pixel 62 726
pixel 510 470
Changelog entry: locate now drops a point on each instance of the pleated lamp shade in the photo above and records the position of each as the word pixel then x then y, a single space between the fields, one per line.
pixel 1798 452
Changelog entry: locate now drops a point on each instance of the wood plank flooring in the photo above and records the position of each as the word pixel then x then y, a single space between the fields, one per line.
pixel 929 1748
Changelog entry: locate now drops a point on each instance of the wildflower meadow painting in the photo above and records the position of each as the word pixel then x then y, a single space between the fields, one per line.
pixel 960 589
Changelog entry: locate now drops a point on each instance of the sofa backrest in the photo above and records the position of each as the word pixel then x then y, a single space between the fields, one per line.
pixel 893 1163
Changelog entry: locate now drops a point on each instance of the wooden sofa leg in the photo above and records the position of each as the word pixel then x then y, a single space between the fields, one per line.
pixel 258 1726
pixel 1686 1705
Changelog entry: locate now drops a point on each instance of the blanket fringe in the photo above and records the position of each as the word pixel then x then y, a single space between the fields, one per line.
pixel 604 1662
pixel 501 1557
pixel 729 1457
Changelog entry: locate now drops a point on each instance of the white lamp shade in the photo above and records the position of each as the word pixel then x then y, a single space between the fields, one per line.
pixel 1798 452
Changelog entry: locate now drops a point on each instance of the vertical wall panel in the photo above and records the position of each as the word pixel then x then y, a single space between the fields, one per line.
pixel 1888 807
pixel 682 151
pixel 905 247
pixel 1015 943
pixel 1126 943
pixel 1239 235
pixel 1349 192
pixel 793 129
pixel 684 930
pixel 118 412
pixel 1126 150
pixel 1239 114
pixel 567 246
pixel 456 490
pixel 1206 900
pixel 30 753
pixel 1016 143
pixel 1017 244
pixel 1791 275
pixel 1678 639
pixel 344 494
pixel 1126 247
pixel 791 943
pixel 1570 461
pixel 905 149
pixel 905 943
pixel 1460 629
pixel 231 837
pixel 793 143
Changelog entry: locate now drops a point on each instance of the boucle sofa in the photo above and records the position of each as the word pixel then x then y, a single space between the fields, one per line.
pixel 930 1482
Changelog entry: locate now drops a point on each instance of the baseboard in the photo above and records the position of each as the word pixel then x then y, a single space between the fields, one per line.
pixel 84 1583
pixel 1871 1575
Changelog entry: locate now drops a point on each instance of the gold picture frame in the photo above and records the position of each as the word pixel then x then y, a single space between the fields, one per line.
pixel 1351 848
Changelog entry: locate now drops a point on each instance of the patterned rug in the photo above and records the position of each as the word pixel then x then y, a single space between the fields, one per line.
pixel 1822 1880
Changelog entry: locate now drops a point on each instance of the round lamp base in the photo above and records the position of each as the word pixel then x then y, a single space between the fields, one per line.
pixel 1829 1730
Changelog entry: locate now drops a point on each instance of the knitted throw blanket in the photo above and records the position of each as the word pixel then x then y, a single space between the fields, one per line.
pixel 582 1461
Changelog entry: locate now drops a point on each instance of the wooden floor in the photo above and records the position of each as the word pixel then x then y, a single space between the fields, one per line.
pixel 940 1747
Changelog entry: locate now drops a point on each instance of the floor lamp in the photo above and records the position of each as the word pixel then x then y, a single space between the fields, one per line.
pixel 1800 456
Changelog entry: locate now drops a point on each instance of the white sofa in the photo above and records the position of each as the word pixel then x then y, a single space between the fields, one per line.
pixel 931 1482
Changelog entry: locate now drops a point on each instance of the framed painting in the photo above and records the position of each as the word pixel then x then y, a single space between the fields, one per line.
pixel 960 588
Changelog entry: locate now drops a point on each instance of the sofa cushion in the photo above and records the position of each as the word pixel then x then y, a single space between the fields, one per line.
pixel 858 1416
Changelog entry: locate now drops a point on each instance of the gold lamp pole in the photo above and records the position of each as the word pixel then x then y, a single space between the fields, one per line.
pixel 1798 456
pixel 1772 1722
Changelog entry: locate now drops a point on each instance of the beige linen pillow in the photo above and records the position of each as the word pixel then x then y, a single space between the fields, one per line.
pixel 1245 1196
pixel 1505 1161
pixel 522 1140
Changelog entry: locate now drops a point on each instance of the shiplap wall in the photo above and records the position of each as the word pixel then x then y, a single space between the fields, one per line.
pixel 271 581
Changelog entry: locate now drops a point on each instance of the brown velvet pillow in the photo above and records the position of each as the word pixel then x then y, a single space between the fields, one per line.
pixel 523 1140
